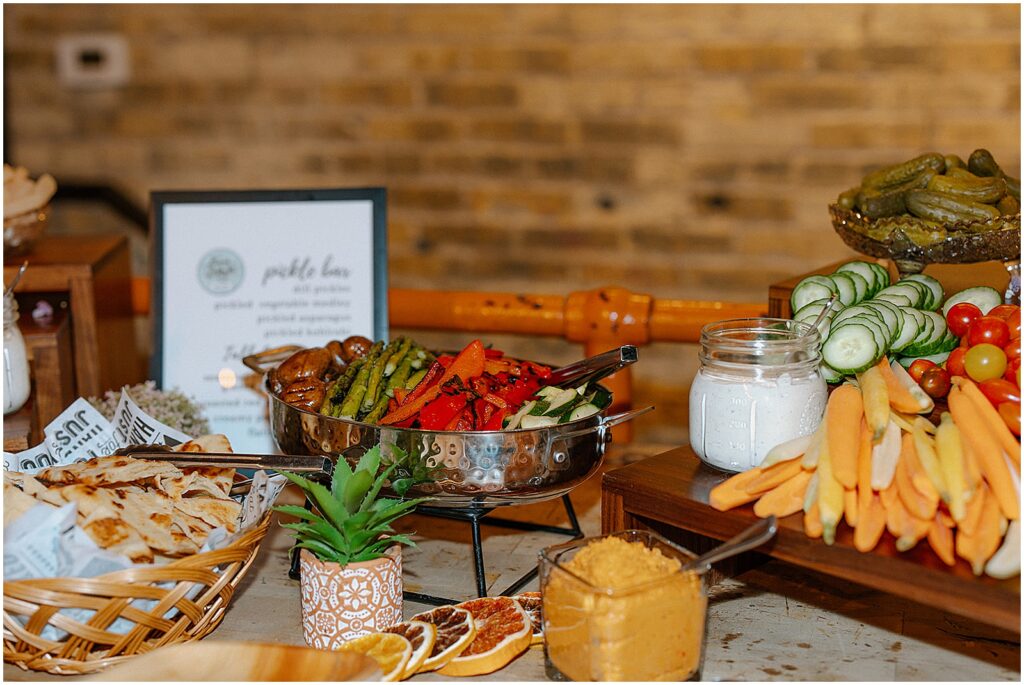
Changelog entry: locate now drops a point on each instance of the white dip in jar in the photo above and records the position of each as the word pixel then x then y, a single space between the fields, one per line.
pixel 759 384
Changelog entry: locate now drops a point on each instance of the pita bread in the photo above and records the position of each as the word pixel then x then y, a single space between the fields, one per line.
pixel 110 532
pixel 206 443
pixel 16 502
pixel 195 528
pixel 219 512
pixel 147 511
pixel 107 471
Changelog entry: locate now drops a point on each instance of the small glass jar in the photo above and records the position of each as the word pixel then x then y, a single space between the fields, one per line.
pixel 16 378
pixel 623 630
pixel 759 384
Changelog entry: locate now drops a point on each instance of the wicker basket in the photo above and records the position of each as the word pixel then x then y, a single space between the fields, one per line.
pixel 31 605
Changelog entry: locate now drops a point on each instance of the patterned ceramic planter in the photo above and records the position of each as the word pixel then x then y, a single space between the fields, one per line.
pixel 341 603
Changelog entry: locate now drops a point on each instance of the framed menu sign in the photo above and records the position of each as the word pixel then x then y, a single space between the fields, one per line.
pixel 239 272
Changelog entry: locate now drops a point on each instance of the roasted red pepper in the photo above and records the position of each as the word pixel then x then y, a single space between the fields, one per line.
pixel 497 418
pixel 439 413
pixel 468 365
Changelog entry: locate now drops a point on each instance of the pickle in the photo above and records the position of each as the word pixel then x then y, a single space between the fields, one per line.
pixel 877 203
pixel 935 206
pixel 1013 187
pixel 962 172
pixel 928 233
pixel 982 163
pixel 954 162
pixel 848 198
pixel 898 174
pixel 1008 205
pixel 987 190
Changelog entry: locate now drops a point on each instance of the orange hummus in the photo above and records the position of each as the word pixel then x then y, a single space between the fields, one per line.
pixel 638 616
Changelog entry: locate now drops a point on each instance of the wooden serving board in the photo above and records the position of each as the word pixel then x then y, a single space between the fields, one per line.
pixel 671 489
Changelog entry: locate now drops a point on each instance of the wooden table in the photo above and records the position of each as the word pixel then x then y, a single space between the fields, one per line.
pixel 91 275
pixel 672 489
pixel 775 622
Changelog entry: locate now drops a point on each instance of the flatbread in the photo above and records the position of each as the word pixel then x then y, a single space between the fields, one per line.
pixel 147 511
pixel 215 442
pixel 215 480
pixel 112 533
pixel 195 528
pixel 107 471
pixel 16 503
pixel 217 511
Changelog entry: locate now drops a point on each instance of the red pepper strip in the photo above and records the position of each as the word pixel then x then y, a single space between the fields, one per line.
pixel 462 422
pixel 494 423
pixel 439 413
pixel 469 364
pixel 493 354
pixel 400 395
pixel 445 360
pixel 496 366
pixel 496 401
pixel 429 379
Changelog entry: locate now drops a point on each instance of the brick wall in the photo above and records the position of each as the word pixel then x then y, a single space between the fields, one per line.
pixel 684 150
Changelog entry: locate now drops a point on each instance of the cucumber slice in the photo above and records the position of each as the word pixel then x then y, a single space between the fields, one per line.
pixel 583 411
pixel 898 299
pixel 909 330
pixel 927 328
pixel 530 421
pixel 851 348
pixel 877 330
pixel 847 290
pixel 810 289
pixel 939 358
pixel 933 286
pixel 915 292
pixel 864 270
pixel 830 374
pixel 883 279
pixel 890 315
pixel 983 297
pixel 862 286
pixel 925 292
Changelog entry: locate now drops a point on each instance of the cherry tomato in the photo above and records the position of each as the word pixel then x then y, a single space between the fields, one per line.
pixel 955 362
pixel 935 382
pixel 1013 323
pixel 1012 349
pixel 918 368
pixel 999 390
pixel 988 329
pixel 984 361
pixel 1012 373
pixel 1010 412
pixel 960 316
pixel 1003 311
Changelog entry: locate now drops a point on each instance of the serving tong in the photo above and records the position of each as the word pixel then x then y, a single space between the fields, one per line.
pixel 320 468
pixel 593 369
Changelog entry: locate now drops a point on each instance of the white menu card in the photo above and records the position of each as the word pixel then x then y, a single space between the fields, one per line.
pixel 239 272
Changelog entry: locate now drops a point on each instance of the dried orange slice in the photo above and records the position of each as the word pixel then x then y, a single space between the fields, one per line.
pixel 531 602
pixel 503 632
pixel 422 636
pixel 455 630
pixel 391 652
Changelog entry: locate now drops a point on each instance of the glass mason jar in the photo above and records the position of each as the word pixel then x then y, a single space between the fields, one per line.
pixel 623 630
pixel 16 379
pixel 759 384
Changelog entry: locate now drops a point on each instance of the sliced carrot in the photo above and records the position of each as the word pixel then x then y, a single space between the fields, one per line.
pixel 773 476
pixel 972 472
pixel 921 504
pixel 730 493
pixel 850 509
pixel 901 396
pixel 904 526
pixel 975 505
pixel 889 495
pixel 844 413
pixel 870 524
pixel 785 499
pixel 864 490
pixel 987 451
pixel 940 539
pixel 990 415
pixel 981 543
pixel 812 522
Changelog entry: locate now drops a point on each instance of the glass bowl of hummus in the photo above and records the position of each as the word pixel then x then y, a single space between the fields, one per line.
pixel 620 607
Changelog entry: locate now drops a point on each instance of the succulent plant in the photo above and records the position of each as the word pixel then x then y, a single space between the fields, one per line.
pixel 350 521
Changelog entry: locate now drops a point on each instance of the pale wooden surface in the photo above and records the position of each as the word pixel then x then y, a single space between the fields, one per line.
pixel 772 623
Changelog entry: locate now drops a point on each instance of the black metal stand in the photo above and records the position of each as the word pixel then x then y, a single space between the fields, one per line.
pixel 475 516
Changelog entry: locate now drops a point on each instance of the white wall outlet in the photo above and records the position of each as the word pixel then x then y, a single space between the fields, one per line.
pixel 93 60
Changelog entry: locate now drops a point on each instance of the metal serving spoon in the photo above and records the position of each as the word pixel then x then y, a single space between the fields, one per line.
pixel 17 277
pixel 754 536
